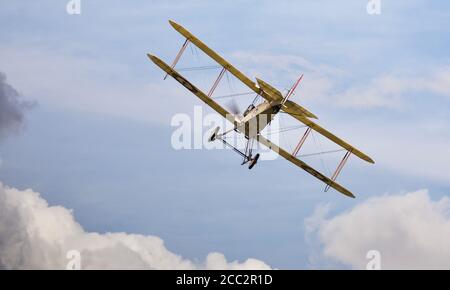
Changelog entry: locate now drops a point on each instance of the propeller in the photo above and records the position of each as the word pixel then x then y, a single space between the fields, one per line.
pixel 234 107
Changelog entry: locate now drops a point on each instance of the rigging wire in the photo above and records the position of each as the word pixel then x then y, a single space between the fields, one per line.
pixel 196 68
pixel 194 51
pixel 321 150
pixel 286 129
pixel 255 99
pixel 289 128
pixel 233 82
pixel 284 137
pixel 292 114
pixel 192 48
pixel 233 95
pixel 320 153
pixel 228 81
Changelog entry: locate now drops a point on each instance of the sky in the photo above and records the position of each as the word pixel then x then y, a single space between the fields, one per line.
pixel 86 129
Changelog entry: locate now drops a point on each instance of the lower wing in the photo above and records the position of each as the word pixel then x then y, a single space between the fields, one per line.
pixel 304 166
pixel 188 85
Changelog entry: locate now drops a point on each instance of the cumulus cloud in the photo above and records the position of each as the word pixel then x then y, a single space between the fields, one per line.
pixel 381 92
pixel 410 231
pixel 34 235
pixel 12 108
pixel 217 261
pixel 390 90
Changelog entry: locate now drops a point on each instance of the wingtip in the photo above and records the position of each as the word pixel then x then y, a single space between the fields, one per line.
pixel 313 116
pixel 174 24
pixel 347 193
pixel 259 81
pixel 343 191
pixel 152 57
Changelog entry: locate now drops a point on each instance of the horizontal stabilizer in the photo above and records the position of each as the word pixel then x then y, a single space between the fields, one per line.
pixel 271 91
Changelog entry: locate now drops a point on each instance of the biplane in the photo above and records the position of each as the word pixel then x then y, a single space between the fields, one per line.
pixel 257 116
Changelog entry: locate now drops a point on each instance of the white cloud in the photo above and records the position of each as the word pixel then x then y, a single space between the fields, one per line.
pixel 34 235
pixel 381 92
pixel 322 82
pixel 393 90
pixel 416 148
pixel 438 82
pixel 217 261
pixel 410 230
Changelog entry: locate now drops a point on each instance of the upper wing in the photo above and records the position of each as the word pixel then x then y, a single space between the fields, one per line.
pixel 292 111
pixel 265 90
pixel 210 102
pixel 211 53
pixel 304 166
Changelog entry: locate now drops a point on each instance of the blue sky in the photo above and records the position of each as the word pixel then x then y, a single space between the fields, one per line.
pixel 98 140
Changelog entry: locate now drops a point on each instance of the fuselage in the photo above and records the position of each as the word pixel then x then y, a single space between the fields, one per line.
pixel 256 118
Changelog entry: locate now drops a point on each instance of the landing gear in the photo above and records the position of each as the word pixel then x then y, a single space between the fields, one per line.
pixel 247 154
pixel 253 161
pixel 214 134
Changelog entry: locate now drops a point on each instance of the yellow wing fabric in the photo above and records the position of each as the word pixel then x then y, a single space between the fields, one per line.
pixel 294 109
pixel 266 91
pixel 276 95
pixel 269 93
pixel 210 102
pixel 329 135
pixel 215 56
pixel 304 166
